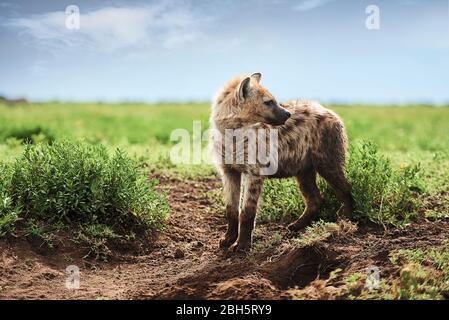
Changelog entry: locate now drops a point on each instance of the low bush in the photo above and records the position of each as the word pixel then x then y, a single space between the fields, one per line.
pixel 29 134
pixel 75 184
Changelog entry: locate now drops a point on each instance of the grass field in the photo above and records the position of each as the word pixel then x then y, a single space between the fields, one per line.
pixel 405 134
pixel 406 137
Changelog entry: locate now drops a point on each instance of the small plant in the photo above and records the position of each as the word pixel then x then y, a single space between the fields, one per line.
pixel 321 230
pixel 261 244
pixel 354 283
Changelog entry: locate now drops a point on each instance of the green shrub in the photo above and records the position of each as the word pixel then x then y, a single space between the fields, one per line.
pixel 383 194
pixel 78 184
pixel 30 134
pixel 280 201
pixel 8 212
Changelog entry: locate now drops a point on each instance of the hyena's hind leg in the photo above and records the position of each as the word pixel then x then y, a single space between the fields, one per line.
pixel 336 178
pixel 253 189
pixel 231 186
pixel 329 161
pixel 307 185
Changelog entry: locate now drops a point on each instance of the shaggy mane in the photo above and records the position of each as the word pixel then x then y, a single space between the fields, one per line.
pixel 227 94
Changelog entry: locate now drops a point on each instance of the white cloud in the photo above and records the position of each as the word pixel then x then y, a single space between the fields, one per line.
pixel 306 5
pixel 115 28
pixel 9 5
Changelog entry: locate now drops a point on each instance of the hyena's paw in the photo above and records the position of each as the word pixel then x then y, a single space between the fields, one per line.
pixel 240 247
pixel 227 241
pixel 299 225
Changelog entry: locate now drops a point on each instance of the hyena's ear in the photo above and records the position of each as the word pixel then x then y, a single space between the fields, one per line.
pixel 244 88
pixel 256 76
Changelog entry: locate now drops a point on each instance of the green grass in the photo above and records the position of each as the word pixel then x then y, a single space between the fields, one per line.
pixel 406 134
pixel 403 129
pixel 424 273
pixel 111 124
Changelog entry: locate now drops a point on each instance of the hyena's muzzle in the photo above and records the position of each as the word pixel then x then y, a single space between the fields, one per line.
pixel 275 114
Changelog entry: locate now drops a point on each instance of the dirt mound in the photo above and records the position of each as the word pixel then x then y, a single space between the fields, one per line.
pixel 247 288
pixel 301 266
pixel 199 282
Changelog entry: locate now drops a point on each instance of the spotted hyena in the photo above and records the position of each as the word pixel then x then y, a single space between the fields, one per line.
pixel 311 139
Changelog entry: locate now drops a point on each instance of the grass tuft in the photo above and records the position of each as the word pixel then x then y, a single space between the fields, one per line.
pixel 320 231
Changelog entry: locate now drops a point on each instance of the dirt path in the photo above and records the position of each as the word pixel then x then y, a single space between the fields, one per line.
pixel 184 262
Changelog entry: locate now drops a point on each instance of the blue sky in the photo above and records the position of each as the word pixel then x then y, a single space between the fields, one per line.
pixel 184 49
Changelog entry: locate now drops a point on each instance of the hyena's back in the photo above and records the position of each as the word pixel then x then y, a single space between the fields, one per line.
pixel 313 137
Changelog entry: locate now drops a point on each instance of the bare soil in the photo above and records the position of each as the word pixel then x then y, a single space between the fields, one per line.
pixel 183 261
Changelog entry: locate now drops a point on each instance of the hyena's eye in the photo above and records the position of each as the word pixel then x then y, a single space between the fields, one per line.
pixel 268 103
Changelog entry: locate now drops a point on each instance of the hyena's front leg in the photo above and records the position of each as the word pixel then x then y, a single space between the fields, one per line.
pixel 253 188
pixel 231 186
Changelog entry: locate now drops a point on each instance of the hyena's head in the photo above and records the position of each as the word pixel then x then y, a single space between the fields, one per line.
pixel 257 104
